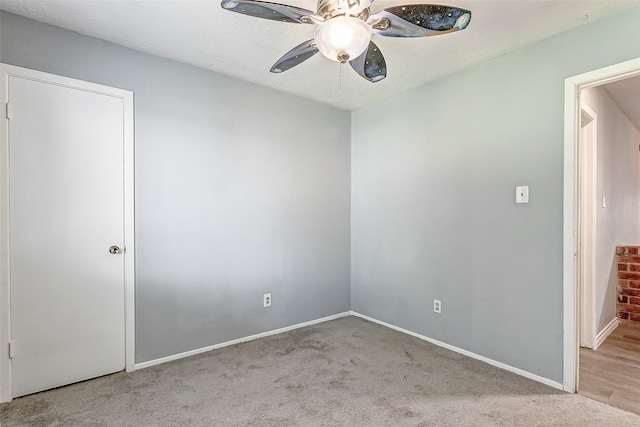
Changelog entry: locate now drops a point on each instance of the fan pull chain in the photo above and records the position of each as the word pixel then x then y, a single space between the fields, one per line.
pixel 341 71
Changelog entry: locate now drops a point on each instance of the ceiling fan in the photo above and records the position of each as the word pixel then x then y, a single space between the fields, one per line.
pixel 344 29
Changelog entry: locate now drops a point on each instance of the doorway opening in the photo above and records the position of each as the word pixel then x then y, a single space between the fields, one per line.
pixel 590 314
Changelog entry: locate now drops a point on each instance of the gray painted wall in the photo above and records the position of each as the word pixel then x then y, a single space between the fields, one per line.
pixel 618 180
pixel 238 192
pixel 434 172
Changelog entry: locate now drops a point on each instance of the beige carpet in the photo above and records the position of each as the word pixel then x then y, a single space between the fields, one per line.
pixel 347 372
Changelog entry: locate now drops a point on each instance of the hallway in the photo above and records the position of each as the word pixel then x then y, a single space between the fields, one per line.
pixel 611 374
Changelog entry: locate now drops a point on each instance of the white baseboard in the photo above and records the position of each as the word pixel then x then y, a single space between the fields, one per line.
pixel 237 341
pixel 603 334
pixel 501 365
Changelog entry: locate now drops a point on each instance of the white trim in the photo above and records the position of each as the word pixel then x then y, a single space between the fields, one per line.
pixel 603 334
pixel 129 232
pixel 5 329
pixel 239 340
pixel 572 88
pixel 492 362
pixel 5 318
pixel 570 311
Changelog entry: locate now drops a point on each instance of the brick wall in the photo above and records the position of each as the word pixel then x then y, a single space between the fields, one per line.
pixel 628 260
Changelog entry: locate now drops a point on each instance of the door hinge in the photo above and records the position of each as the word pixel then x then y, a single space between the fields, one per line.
pixel 10 350
pixel 8 110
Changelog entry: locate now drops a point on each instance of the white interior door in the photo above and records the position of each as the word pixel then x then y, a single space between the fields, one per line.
pixel 66 211
pixel 587 173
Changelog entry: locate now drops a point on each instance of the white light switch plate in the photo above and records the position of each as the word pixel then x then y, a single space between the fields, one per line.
pixel 522 194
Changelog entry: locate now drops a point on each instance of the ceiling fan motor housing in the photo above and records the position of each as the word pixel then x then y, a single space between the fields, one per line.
pixel 332 8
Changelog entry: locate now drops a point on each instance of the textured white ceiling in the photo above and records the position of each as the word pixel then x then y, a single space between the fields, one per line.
pixel 201 33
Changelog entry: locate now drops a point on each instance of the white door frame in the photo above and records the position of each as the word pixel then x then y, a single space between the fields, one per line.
pixel 587 168
pixel 129 256
pixel 573 86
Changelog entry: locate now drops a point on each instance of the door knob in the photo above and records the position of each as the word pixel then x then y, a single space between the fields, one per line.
pixel 114 250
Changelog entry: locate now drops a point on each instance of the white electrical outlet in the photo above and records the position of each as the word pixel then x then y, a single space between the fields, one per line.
pixel 266 298
pixel 437 306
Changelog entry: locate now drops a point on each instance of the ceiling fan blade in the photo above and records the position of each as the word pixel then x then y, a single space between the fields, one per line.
pixel 272 11
pixel 295 56
pixel 419 20
pixel 371 64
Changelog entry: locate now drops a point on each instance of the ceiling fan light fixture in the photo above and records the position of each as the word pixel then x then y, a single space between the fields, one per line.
pixel 342 38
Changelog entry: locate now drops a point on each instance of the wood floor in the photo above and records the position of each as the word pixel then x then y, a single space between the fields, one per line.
pixel 611 374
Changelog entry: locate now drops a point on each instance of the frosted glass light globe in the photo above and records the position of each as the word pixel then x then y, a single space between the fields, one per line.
pixel 342 38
